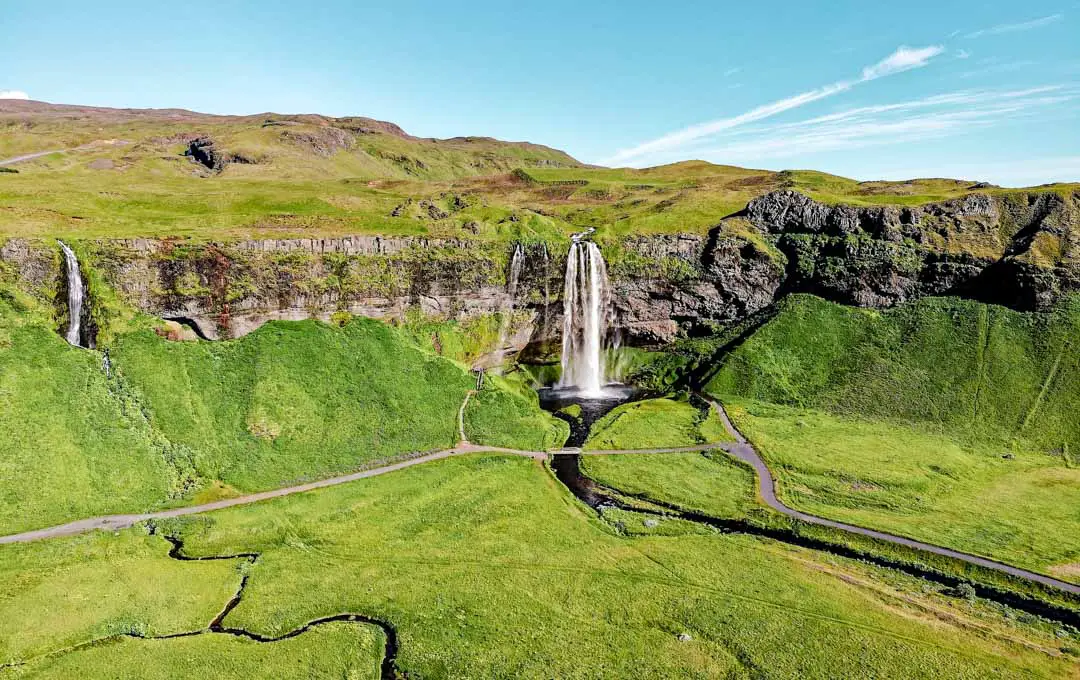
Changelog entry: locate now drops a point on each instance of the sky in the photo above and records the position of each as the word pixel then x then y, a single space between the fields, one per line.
pixel 987 91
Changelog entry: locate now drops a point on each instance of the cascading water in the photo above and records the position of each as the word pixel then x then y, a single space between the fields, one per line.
pixel 586 304
pixel 517 262
pixel 76 295
pixel 507 311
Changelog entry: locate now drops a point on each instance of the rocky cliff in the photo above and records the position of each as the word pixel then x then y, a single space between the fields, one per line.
pixel 1014 249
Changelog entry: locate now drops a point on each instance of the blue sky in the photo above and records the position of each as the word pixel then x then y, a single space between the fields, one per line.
pixel 867 90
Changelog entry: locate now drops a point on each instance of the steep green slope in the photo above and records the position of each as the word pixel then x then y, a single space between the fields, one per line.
pixel 177 422
pixel 302 400
pixel 72 443
pixel 945 420
pixel 979 372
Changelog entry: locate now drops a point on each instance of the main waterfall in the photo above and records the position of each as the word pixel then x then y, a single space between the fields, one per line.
pixel 76 295
pixel 586 304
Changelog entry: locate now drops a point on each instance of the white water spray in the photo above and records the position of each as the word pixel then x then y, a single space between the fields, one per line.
pixel 586 304
pixel 76 294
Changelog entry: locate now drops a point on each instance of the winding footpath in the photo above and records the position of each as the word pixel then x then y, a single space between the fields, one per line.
pixel 740 449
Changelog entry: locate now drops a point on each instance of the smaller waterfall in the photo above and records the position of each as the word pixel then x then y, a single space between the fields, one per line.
pixel 76 295
pixel 547 289
pixel 586 305
pixel 517 262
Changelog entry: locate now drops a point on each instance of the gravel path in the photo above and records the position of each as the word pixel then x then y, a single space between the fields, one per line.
pixel 742 450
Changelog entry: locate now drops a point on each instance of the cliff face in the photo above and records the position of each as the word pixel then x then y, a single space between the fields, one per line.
pixel 1016 250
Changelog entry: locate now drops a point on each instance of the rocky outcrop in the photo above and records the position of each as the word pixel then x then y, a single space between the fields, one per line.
pixel 667 284
pixel 1015 250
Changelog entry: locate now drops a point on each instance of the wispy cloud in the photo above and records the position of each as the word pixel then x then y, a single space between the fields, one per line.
pixel 903 59
pixel 13 94
pixel 916 120
pixel 1013 28
pixel 962 54
pixel 732 71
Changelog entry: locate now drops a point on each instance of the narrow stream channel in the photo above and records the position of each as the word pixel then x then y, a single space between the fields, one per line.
pixel 567 469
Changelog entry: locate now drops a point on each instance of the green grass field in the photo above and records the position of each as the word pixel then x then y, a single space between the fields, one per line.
pixel 944 420
pixel 711 483
pixel 123 175
pixel 487 568
pixel 656 423
pixel 336 650
pixel 1024 509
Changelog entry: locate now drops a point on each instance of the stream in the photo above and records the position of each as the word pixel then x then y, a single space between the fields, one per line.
pixel 567 469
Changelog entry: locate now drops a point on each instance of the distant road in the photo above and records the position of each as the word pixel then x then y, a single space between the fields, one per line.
pixel 30 156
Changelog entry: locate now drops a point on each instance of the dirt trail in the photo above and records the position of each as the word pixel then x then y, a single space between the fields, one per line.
pixel 742 450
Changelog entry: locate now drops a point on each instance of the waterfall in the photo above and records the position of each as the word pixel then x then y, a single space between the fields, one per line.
pixel 517 262
pixel 76 295
pixel 586 302
pixel 547 289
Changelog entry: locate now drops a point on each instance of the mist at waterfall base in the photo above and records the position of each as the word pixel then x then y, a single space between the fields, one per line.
pixel 76 294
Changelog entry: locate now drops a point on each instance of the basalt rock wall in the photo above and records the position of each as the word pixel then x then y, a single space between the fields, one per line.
pixel 1014 249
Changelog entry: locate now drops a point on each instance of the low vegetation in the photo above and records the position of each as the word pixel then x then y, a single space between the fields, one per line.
pixel 711 483
pixel 73 445
pixel 334 650
pixel 1018 508
pixel 656 423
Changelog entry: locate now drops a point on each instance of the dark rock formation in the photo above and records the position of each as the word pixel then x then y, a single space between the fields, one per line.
pixel 1011 249
pixel 203 152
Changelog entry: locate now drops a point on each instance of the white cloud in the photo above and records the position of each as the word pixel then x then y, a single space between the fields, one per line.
pixel 903 59
pixel 732 71
pixel 13 94
pixel 1013 28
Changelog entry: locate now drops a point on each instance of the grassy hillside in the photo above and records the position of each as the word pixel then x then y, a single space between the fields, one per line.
pixel 446 551
pixel 979 372
pixel 177 422
pixel 295 400
pixel 945 420
pixel 73 444
pixel 123 173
